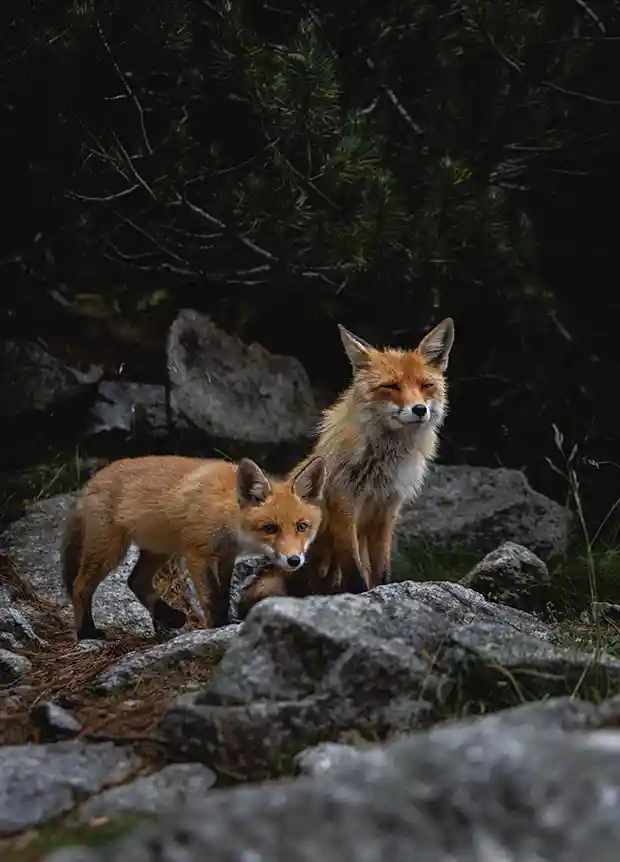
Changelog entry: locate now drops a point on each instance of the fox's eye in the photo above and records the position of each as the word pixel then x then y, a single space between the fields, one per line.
pixel 428 385
pixel 269 529
pixel 301 526
pixel 394 386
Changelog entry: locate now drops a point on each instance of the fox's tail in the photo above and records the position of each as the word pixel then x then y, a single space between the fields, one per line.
pixel 72 549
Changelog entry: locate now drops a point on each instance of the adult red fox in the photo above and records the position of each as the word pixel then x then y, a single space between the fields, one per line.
pixel 377 441
pixel 211 512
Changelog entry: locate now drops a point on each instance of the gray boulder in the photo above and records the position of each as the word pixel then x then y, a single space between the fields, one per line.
pixel 132 408
pixel 468 793
pixel 33 545
pixel 33 381
pixel 347 668
pixel 206 644
pixel 39 782
pixel 236 391
pixel 479 508
pixel 172 787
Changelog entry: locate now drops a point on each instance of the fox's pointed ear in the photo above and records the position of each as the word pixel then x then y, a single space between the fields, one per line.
pixel 253 487
pixel 309 483
pixel 356 348
pixel 436 345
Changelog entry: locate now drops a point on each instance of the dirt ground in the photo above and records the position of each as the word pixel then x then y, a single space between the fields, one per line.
pixel 61 672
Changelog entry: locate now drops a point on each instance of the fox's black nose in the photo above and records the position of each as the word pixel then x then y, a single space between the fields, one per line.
pixel 419 410
pixel 294 561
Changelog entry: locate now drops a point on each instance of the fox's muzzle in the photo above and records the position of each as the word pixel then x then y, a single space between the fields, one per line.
pixel 411 414
pixel 290 563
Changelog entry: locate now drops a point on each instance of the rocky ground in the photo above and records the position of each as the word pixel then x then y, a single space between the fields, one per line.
pixel 377 720
pixel 451 711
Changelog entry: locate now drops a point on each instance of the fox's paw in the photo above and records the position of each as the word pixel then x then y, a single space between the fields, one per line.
pixel 167 617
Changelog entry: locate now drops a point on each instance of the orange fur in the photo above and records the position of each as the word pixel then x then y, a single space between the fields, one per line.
pixel 376 450
pixel 211 512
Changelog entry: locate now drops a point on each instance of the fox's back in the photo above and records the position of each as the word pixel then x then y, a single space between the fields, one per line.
pixel 155 500
pixel 143 478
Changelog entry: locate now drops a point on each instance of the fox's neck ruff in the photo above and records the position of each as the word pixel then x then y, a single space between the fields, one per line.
pixel 364 454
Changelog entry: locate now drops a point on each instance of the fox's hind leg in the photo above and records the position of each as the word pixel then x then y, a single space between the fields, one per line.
pixel 141 585
pixel 90 575
pixel 102 551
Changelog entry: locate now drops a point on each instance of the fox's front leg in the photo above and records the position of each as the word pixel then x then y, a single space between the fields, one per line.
pixel 379 533
pixel 200 566
pixel 345 555
pixel 220 590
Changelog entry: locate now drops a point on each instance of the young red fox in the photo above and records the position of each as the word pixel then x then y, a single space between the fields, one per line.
pixel 377 441
pixel 211 512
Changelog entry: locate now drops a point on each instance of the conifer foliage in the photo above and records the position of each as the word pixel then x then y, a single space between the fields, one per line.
pixel 341 152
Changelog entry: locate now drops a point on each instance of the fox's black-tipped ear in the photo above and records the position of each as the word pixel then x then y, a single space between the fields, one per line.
pixel 436 345
pixel 253 487
pixel 309 483
pixel 356 348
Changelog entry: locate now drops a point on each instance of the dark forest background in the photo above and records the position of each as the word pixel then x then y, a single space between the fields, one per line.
pixel 285 167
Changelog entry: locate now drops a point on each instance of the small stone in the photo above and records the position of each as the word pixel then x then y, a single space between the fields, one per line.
pixel 54 722
pixel 15 630
pixel 511 575
pixel 12 666
pixel 322 758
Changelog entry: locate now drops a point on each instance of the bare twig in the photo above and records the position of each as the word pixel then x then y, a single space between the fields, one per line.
pixel 110 197
pixel 518 67
pixel 397 103
pixel 203 213
pixel 134 170
pixel 152 239
pixel 243 239
pixel 128 89
pixel 164 266
pixel 598 99
pixel 256 248
pixel 131 257
pixel 592 14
